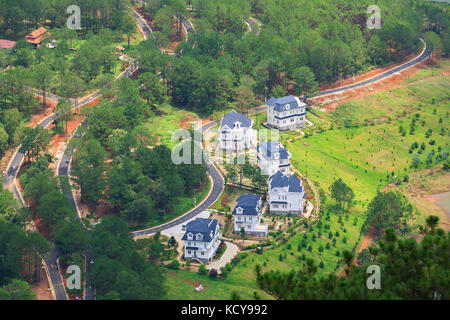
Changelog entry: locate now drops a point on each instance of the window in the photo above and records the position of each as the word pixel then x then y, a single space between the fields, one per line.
pixel 189 252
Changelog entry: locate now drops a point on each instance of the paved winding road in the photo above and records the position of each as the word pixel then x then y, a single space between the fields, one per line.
pixel 217 189
pixel 422 56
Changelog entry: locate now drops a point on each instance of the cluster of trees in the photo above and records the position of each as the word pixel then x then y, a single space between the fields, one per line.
pixel 301 44
pixel 120 272
pixel 438 25
pixel 409 270
pixel 20 250
pixel 389 209
pixel 167 16
pixel 22 16
pixel 41 191
pixel 139 181
pixel 342 194
pixel 15 105
pixel 235 174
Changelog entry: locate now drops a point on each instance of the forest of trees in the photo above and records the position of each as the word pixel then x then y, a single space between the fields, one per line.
pixel 301 44
pixel 141 180
pixel 410 270
pixel 20 250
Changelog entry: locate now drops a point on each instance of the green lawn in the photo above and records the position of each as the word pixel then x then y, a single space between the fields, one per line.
pixel 159 129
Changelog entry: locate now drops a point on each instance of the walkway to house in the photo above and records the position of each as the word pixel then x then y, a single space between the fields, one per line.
pixel 309 209
pixel 231 251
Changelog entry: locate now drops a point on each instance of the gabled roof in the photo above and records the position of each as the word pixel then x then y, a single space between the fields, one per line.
pixel 280 180
pixel 249 204
pixel 36 33
pixel 202 226
pixel 35 37
pixel 232 117
pixel 285 103
pixel 6 44
pixel 270 148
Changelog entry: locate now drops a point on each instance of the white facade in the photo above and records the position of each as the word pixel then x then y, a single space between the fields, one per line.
pixel 273 157
pixel 201 247
pixel 236 133
pixel 286 194
pixel 287 113
pixel 249 218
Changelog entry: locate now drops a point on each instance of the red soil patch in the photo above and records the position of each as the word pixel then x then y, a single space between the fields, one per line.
pixel 330 102
pixel 38 117
pixel 361 77
pixel 186 122
pixel 42 288
pixel 7 155
pixel 225 199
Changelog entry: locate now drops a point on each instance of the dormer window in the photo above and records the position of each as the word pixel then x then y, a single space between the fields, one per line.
pixel 190 236
pixel 287 107
pixel 199 237
pixel 239 210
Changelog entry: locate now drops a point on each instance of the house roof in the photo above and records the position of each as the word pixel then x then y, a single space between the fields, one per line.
pixel 232 117
pixel 6 44
pixel 285 103
pixel 36 33
pixel 35 37
pixel 280 180
pixel 270 148
pixel 249 203
pixel 203 226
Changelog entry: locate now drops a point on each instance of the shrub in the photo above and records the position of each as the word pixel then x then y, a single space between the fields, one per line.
pixel 175 264
pixel 213 273
pixel 202 269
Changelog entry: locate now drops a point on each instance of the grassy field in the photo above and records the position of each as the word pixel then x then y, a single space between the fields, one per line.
pixel 159 129
pixel 361 143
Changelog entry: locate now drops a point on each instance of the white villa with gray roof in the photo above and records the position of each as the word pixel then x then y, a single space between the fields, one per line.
pixel 236 133
pixel 286 113
pixel 201 239
pixel 247 214
pixel 273 157
pixel 286 194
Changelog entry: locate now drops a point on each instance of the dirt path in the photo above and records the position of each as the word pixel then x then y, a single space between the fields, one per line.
pixel 42 288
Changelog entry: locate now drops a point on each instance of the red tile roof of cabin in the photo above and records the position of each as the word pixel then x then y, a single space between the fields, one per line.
pixel 7 44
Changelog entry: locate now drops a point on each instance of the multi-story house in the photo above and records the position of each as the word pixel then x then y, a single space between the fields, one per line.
pixel 201 239
pixel 273 157
pixel 247 214
pixel 286 194
pixel 286 113
pixel 236 133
